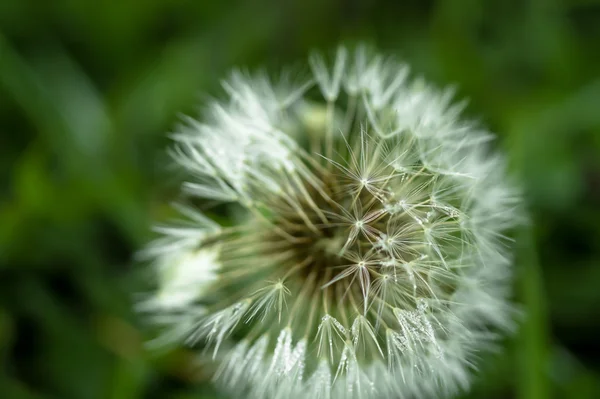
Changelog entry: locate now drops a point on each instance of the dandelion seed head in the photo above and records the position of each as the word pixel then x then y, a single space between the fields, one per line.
pixel 371 260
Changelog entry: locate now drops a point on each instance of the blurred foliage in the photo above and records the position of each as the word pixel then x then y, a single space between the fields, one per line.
pixel 88 90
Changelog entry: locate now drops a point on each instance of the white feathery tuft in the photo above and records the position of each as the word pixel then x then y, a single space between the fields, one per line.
pixel 372 260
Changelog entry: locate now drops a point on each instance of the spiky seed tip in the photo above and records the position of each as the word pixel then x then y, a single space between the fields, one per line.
pixel 371 261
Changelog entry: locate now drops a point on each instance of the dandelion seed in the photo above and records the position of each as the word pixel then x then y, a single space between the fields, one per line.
pixel 371 260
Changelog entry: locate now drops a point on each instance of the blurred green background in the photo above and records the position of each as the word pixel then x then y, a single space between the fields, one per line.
pixel 88 90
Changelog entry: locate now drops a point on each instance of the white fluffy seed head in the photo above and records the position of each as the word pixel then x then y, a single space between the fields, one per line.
pixel 372 260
